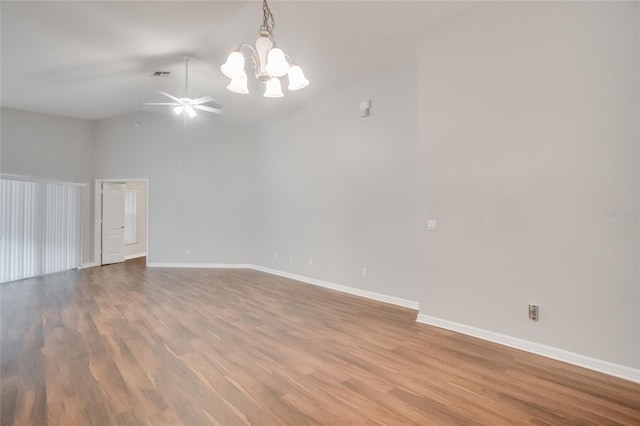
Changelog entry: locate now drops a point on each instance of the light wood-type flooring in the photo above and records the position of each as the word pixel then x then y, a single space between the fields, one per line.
pixel 126 345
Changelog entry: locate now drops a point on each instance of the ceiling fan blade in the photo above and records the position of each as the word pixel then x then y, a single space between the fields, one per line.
pixel 154 110
pixel 214 105
pixel 170 96
pixel 211 103
pixel 206 108
pixel 161 103
pixel 203 100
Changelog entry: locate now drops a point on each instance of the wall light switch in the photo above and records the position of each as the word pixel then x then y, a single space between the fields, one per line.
pixel 365 108
pixel 533 312
pixel 432 224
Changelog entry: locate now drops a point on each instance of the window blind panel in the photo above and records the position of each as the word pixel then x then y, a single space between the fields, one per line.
pixel 130 217
pixel 39 228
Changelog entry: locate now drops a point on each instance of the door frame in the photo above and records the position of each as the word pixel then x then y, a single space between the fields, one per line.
pixel 97 214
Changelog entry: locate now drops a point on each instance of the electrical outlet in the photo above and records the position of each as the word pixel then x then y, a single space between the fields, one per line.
pixel 188 251
pixel 277 256
pixel 310 262
pixel 365 272
pixel 290 259
pixel 533 312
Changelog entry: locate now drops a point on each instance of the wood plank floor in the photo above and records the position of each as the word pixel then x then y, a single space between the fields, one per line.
pixel 125 345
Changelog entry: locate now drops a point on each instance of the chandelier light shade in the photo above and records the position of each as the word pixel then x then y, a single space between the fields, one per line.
pixel 239 84
pixel 277 65
pixel 273 90
pixel 234 67
pixel 297 79
pixel 268 60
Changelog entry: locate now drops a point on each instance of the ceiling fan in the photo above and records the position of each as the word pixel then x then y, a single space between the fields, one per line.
pixel 186 105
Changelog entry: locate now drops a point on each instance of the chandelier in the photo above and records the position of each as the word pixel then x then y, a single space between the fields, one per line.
pixel 269 62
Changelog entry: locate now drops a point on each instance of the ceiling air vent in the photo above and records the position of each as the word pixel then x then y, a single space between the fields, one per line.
pixel 160 74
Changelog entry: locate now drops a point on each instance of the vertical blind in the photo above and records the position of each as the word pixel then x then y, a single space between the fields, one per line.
pixel 130 217
pixel 39 228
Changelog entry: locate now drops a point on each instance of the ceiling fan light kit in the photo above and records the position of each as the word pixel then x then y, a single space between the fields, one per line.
pixel 269 62
pixel 186 105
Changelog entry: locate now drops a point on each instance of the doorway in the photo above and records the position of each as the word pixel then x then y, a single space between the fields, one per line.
pixel 121 220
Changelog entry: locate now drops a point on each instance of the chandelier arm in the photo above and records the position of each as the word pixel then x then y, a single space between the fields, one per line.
pixel 253 51
pixel 253 54
pixel 256 64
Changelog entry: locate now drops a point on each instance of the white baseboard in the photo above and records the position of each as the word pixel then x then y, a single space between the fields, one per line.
pixel 343 288
pixel 200 265
pixel 135 256
pixel 595 364
pixel 88 265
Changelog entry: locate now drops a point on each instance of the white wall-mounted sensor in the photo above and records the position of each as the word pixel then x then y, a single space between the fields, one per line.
pixel 365 108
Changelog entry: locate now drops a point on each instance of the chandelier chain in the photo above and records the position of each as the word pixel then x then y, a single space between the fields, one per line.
pixel 268 22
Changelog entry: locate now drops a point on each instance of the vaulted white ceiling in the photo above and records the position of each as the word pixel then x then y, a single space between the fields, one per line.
pixel 94 59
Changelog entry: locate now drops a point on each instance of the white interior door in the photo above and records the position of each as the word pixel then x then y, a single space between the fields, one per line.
pixel 112 223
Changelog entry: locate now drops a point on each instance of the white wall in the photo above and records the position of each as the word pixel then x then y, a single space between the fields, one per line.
pixel 140 247
pixel 517 129
pixel 528 116
pixel 54 148
pixel 205 208
pixel 340 189
pixel 525 132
